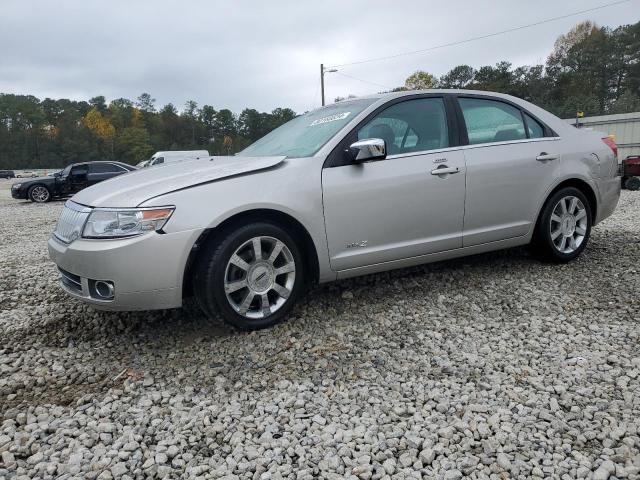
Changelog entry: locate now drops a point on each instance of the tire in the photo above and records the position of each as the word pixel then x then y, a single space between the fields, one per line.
pixel 557 228
pixel 39 194
pixel 632 183
pixel 229 272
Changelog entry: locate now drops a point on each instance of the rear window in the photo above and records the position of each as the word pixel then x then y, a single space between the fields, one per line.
pixel 106 168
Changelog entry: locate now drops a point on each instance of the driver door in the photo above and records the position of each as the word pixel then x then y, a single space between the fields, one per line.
pixel 399 207
pixel 78 179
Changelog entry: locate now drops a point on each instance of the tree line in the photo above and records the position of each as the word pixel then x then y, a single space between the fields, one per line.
pixel 54 133
pixel 592 69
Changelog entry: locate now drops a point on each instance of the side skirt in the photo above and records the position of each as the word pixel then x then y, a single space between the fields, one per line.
pixel 436 257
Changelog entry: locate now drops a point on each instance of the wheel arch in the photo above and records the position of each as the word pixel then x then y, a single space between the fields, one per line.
pixel 581 185
pixel 300 233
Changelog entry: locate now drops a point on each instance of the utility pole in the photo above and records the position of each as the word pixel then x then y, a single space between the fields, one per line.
pixel 322 82
pixel 322 72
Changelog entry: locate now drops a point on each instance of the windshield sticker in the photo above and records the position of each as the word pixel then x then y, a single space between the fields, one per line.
pixel 330 118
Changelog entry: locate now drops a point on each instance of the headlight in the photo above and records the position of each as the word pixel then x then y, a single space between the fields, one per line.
pixel 16 185
pixel 124 222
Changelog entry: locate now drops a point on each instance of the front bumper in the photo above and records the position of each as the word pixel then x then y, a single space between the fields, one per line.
pixel 146 271
pixel 19 193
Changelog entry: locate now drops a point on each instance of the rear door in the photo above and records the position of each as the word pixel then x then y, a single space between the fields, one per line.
pixel 399 207
pixel 512 160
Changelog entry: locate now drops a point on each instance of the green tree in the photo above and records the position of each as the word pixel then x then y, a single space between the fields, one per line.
pixel 495 79
pixel 420 80
pixel 458 77
pixel 146 103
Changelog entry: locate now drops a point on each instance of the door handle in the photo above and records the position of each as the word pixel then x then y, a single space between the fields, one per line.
pixel 544 156
pixel 443 170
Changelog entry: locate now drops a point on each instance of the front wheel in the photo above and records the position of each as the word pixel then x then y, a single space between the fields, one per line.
pixel 39 194
pixel 251 277
pixel 564 226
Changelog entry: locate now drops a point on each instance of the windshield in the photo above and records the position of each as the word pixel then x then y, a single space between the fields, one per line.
pixel 305 135
pixel 65 172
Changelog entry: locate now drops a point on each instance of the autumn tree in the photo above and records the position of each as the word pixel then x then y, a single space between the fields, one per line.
pixel 101 128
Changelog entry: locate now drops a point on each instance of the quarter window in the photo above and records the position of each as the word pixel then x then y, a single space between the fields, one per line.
pixel 534 128
pixel 491 121
pixel 411 126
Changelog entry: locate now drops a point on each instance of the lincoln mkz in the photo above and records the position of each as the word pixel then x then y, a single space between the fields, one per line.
pixel 357 187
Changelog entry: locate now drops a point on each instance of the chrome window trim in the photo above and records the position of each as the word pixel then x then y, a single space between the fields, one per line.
pixel 468 147
pixel 422 152
pixel 509 142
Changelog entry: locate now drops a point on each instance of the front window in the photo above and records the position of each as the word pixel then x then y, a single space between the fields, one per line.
pixel 410 126
pixel 305 135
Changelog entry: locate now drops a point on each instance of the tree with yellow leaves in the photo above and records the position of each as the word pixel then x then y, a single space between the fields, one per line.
pixel 99 125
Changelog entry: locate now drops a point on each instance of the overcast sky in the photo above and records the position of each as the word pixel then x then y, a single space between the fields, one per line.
pixel 264 54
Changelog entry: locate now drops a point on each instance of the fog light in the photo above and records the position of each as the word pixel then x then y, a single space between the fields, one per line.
pixel 103 289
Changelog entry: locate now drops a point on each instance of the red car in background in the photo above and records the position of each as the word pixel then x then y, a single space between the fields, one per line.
pixel 631 172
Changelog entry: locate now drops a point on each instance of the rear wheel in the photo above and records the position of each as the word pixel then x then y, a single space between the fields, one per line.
pixel 39 194
pixel 564 226
pixel 252 277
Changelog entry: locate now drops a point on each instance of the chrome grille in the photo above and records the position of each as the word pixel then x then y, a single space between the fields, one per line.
pixel 71 222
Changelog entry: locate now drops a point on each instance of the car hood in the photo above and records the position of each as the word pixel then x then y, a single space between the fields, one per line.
pixel 24 181
pixel 132 189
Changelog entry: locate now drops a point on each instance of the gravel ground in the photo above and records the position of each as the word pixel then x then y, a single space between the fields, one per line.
pixel 495 366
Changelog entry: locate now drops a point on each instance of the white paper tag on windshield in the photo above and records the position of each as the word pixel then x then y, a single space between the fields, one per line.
pixel 330 118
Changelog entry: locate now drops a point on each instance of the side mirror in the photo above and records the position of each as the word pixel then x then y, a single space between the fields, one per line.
pixel 368 149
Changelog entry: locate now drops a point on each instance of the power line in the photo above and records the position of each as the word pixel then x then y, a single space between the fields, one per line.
pixel 481 37
pixel 363 81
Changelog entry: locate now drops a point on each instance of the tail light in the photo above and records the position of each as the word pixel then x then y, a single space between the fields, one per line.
pixel 611 143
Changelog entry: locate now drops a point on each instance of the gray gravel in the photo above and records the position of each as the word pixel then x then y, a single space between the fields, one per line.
pixel 496 366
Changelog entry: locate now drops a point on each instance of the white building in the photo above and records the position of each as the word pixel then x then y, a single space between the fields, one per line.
pixel 624 126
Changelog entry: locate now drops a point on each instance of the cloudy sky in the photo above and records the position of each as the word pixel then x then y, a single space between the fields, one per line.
pixel 264 54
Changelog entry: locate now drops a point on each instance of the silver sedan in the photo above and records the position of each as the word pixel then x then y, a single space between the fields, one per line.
pixel 357 187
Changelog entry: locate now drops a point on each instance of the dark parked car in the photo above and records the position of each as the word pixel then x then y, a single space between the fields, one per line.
pixel 7 174
pixel 68 181
pixel 631 172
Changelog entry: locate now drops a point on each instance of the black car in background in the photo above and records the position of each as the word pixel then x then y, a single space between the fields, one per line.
pixel 68 181
pixel 7 174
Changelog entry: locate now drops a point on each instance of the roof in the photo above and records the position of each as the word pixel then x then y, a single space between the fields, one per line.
pixel 405 93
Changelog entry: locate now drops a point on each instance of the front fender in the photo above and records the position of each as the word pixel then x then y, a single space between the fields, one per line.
pixel 295 190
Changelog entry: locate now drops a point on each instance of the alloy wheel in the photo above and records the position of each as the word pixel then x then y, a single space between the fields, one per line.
pixel 259 277
pixel 568 224
pixel 40 194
